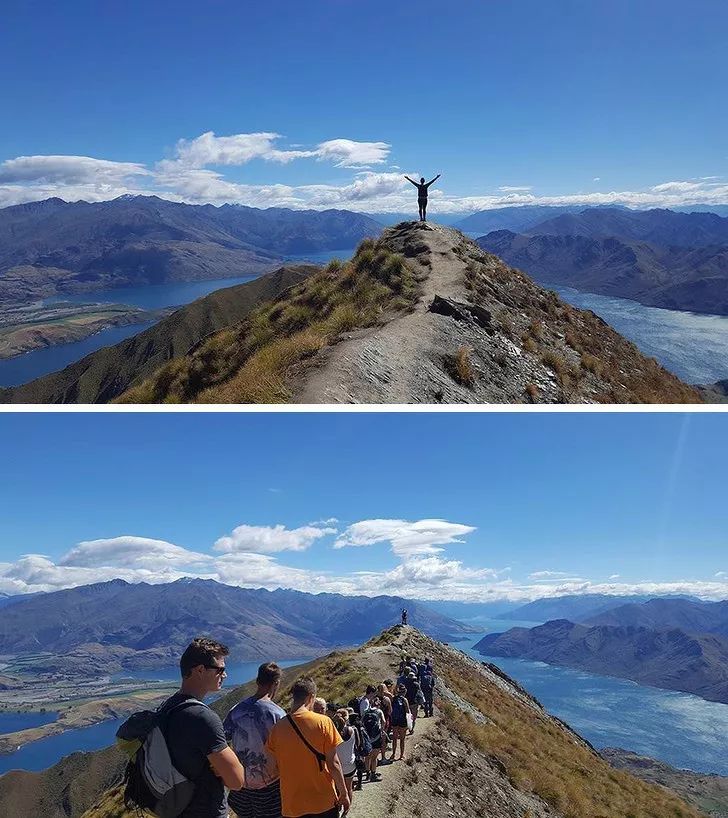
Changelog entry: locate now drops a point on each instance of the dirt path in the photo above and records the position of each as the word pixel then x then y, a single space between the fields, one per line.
pixel 373 800
pixel 389 364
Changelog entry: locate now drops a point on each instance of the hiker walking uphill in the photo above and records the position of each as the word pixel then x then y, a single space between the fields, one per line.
pixel 422 188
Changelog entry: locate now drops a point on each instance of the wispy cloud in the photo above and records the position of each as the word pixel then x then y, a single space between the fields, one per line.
pixel 407 538
pixel 195 172
pixel 270 539
pixel 253 556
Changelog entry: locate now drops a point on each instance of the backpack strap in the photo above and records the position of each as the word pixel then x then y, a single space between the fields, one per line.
pixel 320 757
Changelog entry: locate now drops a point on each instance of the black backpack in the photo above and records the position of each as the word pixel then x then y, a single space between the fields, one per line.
pixel 372 726
pixel 398 709
pixel 362 744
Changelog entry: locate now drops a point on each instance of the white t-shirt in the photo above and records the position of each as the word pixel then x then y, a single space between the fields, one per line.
pixel 364 705
pixel 345 752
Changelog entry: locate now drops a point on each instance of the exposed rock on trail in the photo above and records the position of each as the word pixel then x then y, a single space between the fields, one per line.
pixel 482 332
pixel 490 749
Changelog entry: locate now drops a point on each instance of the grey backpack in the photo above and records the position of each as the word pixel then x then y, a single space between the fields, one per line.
pixel 151 781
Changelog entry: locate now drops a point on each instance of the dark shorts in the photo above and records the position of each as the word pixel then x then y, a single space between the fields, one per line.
pixel 331 813
pixel 262 803
pixel 422 202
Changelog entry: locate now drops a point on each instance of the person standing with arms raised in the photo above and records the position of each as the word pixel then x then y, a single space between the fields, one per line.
pixel 422 188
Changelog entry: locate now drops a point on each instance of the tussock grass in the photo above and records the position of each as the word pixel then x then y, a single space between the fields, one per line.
pixel 460 367
pixel 541 757
pixel 338 680
pixel 611 370
pixel 255 361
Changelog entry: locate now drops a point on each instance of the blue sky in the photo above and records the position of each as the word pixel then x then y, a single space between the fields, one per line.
pixel 462 506
pixel 328 103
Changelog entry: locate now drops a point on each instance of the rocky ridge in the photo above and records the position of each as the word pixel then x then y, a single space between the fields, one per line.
pixel 491 749
pixel 481 332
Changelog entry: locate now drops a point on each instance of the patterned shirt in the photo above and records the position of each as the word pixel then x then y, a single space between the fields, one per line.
pixel 247 726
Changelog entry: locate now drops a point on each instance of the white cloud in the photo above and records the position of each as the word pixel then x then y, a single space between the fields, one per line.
pixel 68 170
pixel 431 571
pixel 427 576
pixel 193 173
pixel 238 149
pixel 677 187
pixel 547 574
pixel 34 572
pixel 131 552
pixel 597 179
pixel 345 153
pixel 407 538
pixel 270 539
pixel 614 576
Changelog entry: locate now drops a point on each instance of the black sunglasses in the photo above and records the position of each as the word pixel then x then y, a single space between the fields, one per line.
pixel 220 670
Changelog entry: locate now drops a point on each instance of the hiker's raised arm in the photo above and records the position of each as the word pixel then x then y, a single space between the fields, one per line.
pixel 433 180
pixel 411 182
pixel 226 766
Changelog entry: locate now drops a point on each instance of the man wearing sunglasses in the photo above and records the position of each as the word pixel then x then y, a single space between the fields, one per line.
pixel 195 735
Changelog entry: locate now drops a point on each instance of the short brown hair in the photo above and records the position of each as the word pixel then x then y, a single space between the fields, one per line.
pixel 302 689
pixel 200 651
pixel 268 674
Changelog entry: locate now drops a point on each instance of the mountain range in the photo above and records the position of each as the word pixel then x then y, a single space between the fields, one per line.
pixel 142 625
pixel 421 315
pixel 665 657
pixel 103 375
pixel 575 607
pixel 494 751
pixel 690 615
pixel 660 258
pixel 54 247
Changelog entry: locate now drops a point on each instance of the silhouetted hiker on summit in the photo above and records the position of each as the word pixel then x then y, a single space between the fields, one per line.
pixel 422 194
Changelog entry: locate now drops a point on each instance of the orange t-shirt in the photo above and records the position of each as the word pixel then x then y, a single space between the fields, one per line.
pixel 304 788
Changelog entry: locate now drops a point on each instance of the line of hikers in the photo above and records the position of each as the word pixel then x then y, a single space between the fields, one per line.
pixel 302 764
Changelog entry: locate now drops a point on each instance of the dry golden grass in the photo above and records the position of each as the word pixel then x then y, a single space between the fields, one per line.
pixel 621 373
pixel 541 757
pixel 337 677
pixel 529 345
pixel 463 367
pixel 532 391
pixel 255 361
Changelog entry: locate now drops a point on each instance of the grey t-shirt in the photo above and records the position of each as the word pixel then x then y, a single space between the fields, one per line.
pixel 192 734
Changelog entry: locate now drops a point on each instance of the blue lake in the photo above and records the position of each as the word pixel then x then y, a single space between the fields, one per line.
pixel 237 672
pixel 12 722
pixel 678 728
pixel 39 755
pixel 694 347
pixel 24 368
